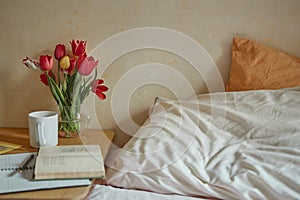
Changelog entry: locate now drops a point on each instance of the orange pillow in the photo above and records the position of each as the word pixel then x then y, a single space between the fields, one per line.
pixel 255 66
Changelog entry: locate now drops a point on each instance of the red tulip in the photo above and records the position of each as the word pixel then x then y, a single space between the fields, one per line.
pixel 99 89
pixel 87 66
pixel 78 47
pixel 46 62
pixel 60 51
pixel 81 58
pixel 44 78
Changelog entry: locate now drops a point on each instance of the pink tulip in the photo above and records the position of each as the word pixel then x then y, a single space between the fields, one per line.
pixel 78 47
pixel 60 51
pixel 99 89
pixel 87 66
pixel 31 64
pixel 46 62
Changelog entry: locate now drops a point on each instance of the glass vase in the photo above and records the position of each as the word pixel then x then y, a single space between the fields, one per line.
pixel 71 121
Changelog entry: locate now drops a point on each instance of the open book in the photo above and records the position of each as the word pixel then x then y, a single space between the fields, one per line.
pixel 69 162
pixel 12 181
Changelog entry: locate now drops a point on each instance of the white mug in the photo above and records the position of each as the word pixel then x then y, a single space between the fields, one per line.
pixel 43 128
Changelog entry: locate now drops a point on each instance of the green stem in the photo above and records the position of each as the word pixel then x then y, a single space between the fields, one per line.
pixel 56 91
pixel 58 75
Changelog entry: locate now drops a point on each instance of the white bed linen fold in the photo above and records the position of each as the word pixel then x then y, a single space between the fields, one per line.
pixel 234 145
pixel 103 192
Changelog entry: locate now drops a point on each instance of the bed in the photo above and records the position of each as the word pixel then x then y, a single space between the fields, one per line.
pixel 238 144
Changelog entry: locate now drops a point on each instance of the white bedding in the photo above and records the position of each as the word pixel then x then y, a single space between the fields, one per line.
pixel 102 192
pixel 235 145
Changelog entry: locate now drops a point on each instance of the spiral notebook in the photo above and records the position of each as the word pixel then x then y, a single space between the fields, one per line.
pixel 12 181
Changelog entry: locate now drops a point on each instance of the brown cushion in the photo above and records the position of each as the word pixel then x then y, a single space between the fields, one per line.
pixel 255 66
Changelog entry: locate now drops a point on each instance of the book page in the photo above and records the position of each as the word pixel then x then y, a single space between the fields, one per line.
pixel 69 150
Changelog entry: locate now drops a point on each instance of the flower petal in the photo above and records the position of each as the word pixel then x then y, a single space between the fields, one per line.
pixel 103 88
pixel 60 51
pixel 31 64
pixel 64 62
pixel 100 95
pixel 96 83
pixel 78 47
pixel 46 62
pixel 87 66
pixel 72 65
pixel 44 79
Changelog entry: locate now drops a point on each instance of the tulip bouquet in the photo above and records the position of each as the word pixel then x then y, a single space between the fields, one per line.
pixel 70 83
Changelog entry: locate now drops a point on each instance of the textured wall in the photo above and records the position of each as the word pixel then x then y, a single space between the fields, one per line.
pixel 30 28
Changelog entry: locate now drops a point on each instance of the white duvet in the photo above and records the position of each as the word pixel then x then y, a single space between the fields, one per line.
pixel 101 192
pixel 235 145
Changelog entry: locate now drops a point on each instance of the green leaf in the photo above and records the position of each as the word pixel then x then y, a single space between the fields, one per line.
pixel 56 91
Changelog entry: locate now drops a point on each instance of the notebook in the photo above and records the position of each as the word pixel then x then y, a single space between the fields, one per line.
pixel 69 162
pixel 12 181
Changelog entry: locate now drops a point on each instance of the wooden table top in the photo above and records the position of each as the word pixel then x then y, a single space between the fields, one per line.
pixel 21 136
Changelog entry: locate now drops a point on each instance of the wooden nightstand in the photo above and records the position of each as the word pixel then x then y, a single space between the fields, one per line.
pixel 21 136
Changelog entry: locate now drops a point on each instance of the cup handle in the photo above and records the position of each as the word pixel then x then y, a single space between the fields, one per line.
pixel 41 135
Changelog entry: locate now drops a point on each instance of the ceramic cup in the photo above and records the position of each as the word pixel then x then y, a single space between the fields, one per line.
pixel 43 128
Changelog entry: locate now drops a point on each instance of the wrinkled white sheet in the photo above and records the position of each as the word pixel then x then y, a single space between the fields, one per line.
pixel 235 145
pixel 103 192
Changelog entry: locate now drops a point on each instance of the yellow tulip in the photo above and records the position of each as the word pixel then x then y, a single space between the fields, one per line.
pixel 64 62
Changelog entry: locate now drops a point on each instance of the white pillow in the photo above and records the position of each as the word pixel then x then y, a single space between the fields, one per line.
pixel 224 145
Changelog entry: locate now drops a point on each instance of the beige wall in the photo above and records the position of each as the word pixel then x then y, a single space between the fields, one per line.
pixel 32 27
